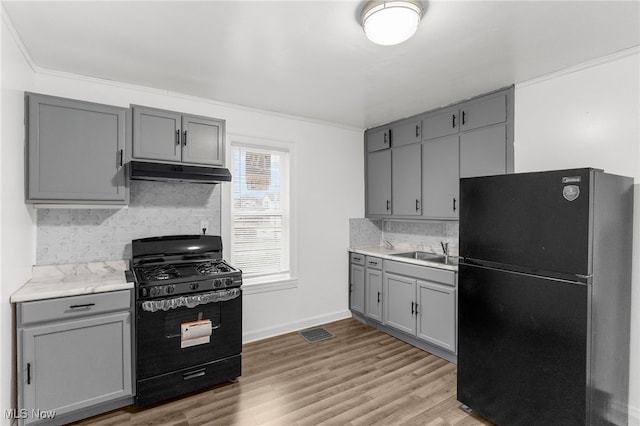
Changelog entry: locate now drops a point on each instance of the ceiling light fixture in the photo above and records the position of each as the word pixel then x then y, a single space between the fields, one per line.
pixel 391 22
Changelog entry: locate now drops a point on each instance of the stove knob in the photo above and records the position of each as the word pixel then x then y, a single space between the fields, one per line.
pixel 194 286
pixel 228 282
pixel 153 291
pixel 170 289
pixel 144 292
pixel 217 283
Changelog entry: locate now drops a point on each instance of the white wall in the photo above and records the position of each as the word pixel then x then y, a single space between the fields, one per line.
pixel 588 116
pixel 17 230
pixel 330 188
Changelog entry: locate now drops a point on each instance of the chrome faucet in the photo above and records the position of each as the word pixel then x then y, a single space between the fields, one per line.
pixel 445 250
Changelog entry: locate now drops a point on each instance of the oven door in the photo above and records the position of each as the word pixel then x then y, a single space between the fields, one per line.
pixel 162 346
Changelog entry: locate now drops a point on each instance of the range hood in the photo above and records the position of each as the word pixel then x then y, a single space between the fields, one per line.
pixel 163 172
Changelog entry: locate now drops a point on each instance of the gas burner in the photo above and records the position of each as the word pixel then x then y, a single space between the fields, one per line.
pixel 210 268
pixel 160 273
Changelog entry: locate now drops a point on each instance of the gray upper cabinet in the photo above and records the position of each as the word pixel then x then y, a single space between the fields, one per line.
pixel 160 135
pixel 483 152
pixel 156 134
pixel 470 138
pixel 75 152
pixel 440 178
pixel 378 139
pixel 406 133
pixel 379 183
pixel 406 193
pixel 441 123
pixel 485 111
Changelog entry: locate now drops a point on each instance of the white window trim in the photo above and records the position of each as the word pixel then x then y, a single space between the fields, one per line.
pixel 272 283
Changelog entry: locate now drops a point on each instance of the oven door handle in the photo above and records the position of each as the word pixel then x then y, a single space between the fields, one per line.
pixel 173 336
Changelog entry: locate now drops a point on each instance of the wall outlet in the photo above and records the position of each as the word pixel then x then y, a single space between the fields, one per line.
pixel 204 226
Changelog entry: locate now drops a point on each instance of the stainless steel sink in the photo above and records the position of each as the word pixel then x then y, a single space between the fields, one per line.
pixel 431 257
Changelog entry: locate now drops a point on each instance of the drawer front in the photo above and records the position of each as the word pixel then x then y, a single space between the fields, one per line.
pixel 74 306
pixel 374 262
pixel 357 258
pixel 421 272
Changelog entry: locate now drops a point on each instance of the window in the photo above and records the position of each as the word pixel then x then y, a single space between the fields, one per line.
pixel 260 212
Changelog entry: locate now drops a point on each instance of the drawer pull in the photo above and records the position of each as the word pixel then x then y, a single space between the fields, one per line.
pixel 194 374
pixel 86 305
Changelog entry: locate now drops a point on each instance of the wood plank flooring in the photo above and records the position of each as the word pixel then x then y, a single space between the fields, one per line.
pixel 360 377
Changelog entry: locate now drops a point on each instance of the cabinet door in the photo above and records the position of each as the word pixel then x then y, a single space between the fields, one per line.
pixel 202 140
pixel 483 152
pixel 407 133
pixel 399 303
pixel 75 151
pixel 406 182
pixel 441 123
pixel 379 183
pixel 440 178
pixel 76 364
pixel 485 111
pixel 437 314
pixel 356 288
pixel 378 139
pixel 156 134
pixel 373 305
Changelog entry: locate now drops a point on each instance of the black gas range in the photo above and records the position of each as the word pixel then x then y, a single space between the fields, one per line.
pixel 188 316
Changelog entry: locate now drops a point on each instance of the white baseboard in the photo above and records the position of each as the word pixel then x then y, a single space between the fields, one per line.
pixel 634 415
pixel 265 333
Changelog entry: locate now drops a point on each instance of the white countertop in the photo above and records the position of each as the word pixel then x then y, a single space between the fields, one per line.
pixel 51 281
pixel 386 253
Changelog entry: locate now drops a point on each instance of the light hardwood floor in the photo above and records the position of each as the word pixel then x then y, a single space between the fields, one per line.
pixel 360 377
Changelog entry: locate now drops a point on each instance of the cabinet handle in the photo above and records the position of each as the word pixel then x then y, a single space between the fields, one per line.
pixel 378 297
pixel 388 205
pixel 28 373
pixel 412 311
pixel 453 122
pixel 417 130
pixel 178 137
pixel 184 138
pixel 464 118
pixel 194 374
pixel 416 309
pixel 86 305
pixel 417 205
pixel 121 157
pixel 454 204
pixel 386 138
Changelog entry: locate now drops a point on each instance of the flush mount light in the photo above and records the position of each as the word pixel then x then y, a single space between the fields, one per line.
pixel 391 22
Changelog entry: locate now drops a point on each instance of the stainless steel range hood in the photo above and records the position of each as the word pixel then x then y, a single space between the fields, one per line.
pixel 163 172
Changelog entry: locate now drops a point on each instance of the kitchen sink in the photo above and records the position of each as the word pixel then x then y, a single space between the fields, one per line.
pixel 431 257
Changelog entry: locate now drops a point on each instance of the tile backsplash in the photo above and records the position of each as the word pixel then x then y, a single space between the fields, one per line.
pixel 410 235
pixel 155 208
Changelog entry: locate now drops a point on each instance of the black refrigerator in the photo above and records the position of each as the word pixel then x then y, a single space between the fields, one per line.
pixel 544 292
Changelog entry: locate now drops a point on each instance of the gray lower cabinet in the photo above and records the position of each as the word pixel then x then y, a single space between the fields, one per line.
pixel 378 185
pixel 440 178
pixel 160 135
pixel 421 301
pixel 356 283
pixel 373 288
pixel 74 355
pixel 75 151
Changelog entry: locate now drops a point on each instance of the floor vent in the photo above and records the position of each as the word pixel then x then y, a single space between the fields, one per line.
pixel 316 334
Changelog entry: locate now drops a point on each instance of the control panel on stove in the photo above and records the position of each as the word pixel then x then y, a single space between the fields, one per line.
pixel 185 288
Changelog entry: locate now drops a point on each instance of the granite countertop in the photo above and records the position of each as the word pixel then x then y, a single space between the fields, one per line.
pixel 51 281
pixel 387 253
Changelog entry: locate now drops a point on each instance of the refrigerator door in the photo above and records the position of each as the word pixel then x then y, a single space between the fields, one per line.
pixel 522 343
pixel 539 221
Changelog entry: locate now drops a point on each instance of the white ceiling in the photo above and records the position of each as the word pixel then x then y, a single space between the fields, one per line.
pixel 311 58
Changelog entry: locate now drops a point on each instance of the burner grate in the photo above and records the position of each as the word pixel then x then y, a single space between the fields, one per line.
pixel 316 334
